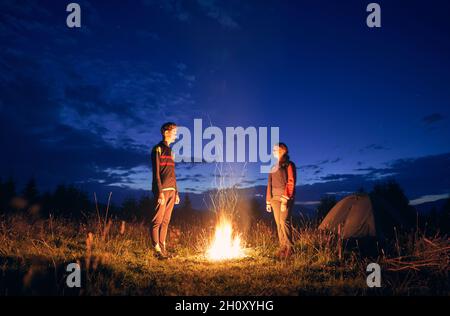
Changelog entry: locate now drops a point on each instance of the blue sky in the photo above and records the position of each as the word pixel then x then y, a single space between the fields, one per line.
pixel 355 105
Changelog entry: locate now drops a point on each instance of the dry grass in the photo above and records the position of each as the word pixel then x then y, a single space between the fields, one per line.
pixel 116 260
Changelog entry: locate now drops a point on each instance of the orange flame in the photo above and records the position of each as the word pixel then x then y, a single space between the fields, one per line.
pixel 225 245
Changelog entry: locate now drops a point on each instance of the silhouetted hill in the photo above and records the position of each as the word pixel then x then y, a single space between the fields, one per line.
pixel 427 207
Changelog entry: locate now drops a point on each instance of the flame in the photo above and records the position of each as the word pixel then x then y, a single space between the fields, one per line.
pixel 225 245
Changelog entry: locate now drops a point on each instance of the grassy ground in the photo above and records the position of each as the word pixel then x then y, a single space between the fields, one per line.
pixel 116 260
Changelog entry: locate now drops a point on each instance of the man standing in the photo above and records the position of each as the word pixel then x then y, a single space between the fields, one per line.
pixel 164 188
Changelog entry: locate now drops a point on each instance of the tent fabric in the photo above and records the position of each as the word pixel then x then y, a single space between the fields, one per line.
pixel 355 216
pixel 360 215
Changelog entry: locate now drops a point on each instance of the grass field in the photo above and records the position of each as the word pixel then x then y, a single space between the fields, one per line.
pixel 116 259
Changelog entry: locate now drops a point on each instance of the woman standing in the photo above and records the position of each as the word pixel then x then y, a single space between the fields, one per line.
pixel 281 195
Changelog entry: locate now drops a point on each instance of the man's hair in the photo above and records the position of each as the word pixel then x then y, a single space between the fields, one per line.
pixel 167 127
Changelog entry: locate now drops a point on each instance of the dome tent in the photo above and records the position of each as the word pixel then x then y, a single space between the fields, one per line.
pixel 361 215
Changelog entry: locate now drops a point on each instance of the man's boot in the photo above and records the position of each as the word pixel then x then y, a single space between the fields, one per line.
pixel 165 252
pixel 159 253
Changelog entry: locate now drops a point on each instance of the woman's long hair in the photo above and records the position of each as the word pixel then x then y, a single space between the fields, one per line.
pixel 284 160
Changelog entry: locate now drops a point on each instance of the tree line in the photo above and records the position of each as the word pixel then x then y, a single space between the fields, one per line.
pixel 68 201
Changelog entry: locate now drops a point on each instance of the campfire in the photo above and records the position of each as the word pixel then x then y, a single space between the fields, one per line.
pixel 225 244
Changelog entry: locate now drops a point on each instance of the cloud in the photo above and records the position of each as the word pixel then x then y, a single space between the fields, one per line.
pixel 429 198
pixel 432 118
pixel 214 10
pixel 137 177
pixel 340 193
pixel 62 122
pixel 430 121
pixel 247 183
pixel 121 100
pixel 372 147
pixel 429 175
pixel 62 154
pixel 338 177
pixel 191 178
pixel 421 178
pixel 307 203
pixel 317 167
pixel 192 190
pixel 309 167
pixel 186 11
pixel 145 35
pixel 174 7
pixel 336 160
pixel 192 164
pixel 25 22
pixel 182 73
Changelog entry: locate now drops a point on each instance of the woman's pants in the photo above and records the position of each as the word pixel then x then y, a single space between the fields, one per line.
pixel 283 221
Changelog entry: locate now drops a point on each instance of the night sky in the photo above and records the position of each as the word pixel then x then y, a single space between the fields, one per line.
pixel 355 105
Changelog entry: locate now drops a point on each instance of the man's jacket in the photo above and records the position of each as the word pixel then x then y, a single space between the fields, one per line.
pixel 163 169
